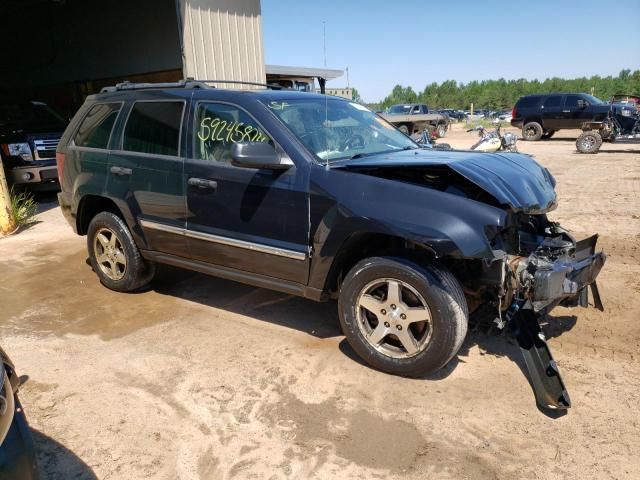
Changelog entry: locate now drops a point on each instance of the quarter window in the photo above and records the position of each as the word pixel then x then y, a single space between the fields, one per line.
pixel 95 129
pixel 154 128
pixel 218 126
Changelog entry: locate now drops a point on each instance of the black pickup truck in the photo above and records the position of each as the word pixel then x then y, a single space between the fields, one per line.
pixel 317 196
pixel 29 134
pixel 540 116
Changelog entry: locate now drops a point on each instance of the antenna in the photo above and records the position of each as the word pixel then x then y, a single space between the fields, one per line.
pixel 324 42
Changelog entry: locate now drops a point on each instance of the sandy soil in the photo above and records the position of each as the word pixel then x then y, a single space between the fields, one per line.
pixel 200 378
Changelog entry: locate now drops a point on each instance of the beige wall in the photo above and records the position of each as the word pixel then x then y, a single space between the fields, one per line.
pixel 222 39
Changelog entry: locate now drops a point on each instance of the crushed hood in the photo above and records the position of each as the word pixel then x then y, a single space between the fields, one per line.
pixel 513 179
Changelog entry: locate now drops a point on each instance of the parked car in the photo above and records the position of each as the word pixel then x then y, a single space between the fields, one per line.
pixel 319 197
pixel 413 118
pixel 540 116
pixel 29 134
pixel 622 125
pixel 17 452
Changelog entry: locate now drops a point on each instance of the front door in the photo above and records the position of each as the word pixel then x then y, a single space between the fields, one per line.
pixel 552 112
pixel 575 111
pixel 243 218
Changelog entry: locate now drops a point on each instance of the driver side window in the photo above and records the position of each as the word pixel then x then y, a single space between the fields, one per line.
pixel 218 126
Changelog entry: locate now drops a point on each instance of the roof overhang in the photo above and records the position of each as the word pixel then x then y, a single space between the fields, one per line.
pixel 288 71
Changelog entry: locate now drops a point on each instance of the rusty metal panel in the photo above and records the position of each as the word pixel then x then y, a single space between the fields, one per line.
pixel 222 39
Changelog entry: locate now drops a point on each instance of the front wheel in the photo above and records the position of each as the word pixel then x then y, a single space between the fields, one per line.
pixel 402 318
pixel 114 256
pixel 589 142
pixel 442 130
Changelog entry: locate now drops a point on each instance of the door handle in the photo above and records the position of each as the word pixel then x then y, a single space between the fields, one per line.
pixel 121 171
pixel 203 183
pixel 566 111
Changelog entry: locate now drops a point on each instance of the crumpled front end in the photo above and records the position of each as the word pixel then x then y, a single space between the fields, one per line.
pixel 537 266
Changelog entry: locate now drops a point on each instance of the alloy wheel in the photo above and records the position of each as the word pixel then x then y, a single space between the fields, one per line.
pixel 394 318
pixel 109 254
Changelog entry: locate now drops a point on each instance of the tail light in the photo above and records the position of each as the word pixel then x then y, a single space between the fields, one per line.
pixel 60 164
pixel 514 112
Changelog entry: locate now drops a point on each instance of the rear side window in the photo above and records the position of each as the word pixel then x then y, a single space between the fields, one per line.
pixel 153 128
pixel 528 102
pixel 553 101
pixel 96 127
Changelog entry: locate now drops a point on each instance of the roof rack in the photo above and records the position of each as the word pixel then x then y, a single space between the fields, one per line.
pixel 186 83
pixel 127 85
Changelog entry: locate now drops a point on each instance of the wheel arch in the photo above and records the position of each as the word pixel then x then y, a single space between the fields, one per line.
pixel 90 205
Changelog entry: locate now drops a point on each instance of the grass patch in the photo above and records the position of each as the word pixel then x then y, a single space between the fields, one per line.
pixel 23 207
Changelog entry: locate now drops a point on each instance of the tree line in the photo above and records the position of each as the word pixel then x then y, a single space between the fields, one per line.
pixel 502 94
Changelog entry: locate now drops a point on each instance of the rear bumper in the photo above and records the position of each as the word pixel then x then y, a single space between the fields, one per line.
pixel 516 123
pixel 64 199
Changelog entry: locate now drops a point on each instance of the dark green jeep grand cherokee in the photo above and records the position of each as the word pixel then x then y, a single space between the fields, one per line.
pixel 319 197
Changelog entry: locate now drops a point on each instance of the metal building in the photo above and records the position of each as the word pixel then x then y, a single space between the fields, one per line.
pixel 61 50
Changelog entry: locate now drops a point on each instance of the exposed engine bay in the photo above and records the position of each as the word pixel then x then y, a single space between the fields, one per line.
pixel 537 266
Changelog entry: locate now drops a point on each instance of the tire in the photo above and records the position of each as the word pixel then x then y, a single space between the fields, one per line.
pixel 434 340
pixel 404 129
pixel 589 142
pixel 532 131
pixel 114 256
pixel 548 135
pixel 442 130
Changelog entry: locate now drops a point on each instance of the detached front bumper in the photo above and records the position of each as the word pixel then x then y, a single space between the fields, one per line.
pixel 565 282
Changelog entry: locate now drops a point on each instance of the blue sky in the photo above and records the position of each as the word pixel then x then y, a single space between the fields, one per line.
pixel 415 42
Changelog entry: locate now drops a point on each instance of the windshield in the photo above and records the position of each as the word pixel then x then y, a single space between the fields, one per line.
pixel 31 117
pixel 593 100
pixel 399 109
pixel 334 129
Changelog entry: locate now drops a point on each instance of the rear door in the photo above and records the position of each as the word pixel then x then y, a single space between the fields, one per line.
pixel 244 218
pixel 145 173
pixel 87 155
pixel 552 112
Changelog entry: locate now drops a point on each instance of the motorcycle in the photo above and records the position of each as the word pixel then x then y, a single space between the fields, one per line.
pixel 426 140
pixel 493 141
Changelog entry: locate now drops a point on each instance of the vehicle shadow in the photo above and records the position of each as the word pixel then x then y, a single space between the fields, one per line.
pixel 321 319
pixel 56 462
pixel 46 200
pixel 317 319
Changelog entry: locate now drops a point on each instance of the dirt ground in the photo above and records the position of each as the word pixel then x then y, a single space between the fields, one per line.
pixel 200 378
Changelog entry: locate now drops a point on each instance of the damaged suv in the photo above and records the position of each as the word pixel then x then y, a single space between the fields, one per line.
pixel 319 197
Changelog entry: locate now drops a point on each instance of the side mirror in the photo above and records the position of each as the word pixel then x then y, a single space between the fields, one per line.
pixel 582 104
pixel 256 155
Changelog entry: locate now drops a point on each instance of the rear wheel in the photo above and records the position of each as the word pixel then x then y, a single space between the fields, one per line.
pixel 114 256
pixel 404 129
pixel 532 131
pixel 589 142
pixel 442 130
pixel 402 318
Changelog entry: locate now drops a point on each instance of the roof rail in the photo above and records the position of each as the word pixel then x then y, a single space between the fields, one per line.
pixel 186 83
pixel 127 85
